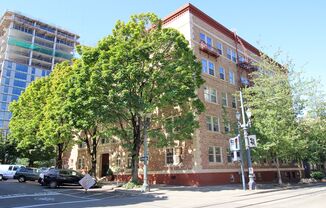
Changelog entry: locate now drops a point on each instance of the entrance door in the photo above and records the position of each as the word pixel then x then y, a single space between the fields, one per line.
pixel 105 164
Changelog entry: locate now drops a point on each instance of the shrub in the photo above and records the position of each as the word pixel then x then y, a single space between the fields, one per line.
pixel 318 175
pixel 131 185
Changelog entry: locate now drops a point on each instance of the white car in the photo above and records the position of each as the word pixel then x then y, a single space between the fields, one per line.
pixel 8 171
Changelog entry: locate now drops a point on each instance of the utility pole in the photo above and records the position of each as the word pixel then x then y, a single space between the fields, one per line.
pixel 245 126
pixel 145 187
pixel 241 163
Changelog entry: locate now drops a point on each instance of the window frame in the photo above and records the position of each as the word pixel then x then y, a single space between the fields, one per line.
pixel 231 74
pixel 224 99
pixel 234 101
pixel 208 94
pixel 220 74
pixel 214 154
pixel 169 158
pixel 211 125
pixel 219 49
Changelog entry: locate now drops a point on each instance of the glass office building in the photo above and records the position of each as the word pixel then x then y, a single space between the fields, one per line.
pixel 29 49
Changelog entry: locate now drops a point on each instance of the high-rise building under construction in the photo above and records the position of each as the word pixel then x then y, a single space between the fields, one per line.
pixel 29 49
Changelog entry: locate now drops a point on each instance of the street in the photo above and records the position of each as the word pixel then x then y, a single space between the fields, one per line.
pixel 24 195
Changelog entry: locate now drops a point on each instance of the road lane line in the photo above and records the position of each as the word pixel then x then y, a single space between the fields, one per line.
pixel 58 203
pixel 28 195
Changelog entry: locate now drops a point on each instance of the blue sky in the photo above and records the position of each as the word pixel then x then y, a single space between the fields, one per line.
pixel 297 27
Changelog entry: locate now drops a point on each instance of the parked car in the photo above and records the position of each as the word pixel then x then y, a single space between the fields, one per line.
pixel 58 177
pixel 24 174
pixel 8 171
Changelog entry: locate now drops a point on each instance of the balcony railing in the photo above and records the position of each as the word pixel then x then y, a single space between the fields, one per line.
pixel 248 66
pixel 208 49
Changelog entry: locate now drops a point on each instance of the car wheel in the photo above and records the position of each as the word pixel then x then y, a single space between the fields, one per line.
pixel 21 179
pixel 1 177
pixel 53 184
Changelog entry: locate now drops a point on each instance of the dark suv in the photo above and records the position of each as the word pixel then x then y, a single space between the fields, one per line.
pixel 58 177
pixel 26 174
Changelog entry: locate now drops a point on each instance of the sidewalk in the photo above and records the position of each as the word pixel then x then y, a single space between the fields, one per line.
pixel 236 188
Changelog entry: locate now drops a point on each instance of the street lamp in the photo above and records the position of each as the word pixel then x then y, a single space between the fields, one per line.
pixel 245 126
pixel 238 116
pixel 147 118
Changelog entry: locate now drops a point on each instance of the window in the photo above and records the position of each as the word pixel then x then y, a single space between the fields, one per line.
pixel 241 58
pixel 202 37
pixel 244 81
pixel 234 102
pixel 231 77
pixel 4 98
pixel 3 106
pixel 212 123
pixel 222 73
pixel 14 97
pixel 209 42
pixel 33 70
pixel 17 91
pixel 229 155
pixel 210 95
pixel 227 127
pixel 82 145
pixel 8 73
pixel 219 47
pixel 228 53
pixel 43 73
pixel 19 75
pixel 169 156
pixel 211 68
pixel 234 56
pixel 22 68
pixel 206 39
pixel 7 81
pixel 224 99
pixel 204 66
pixel 214 154
pixel 118 161
pixel 129 161
pixel 18 83
pixel 32 77
pixel 81 163
pixel 6 89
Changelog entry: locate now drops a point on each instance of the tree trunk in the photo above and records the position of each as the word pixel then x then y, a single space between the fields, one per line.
pixel 94 155
pixel 135 150
pixel 279 176
pixel 59 156
pixel 30 163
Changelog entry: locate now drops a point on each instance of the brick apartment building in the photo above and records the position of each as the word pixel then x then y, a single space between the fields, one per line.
pixel 204 160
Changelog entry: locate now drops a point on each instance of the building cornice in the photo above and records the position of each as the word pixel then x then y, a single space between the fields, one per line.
pixel 210 21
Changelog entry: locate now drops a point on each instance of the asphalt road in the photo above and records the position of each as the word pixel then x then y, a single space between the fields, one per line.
pixel 24 195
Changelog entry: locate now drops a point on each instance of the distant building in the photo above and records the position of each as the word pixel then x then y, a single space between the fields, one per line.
pixel 29 49
pixel 205 159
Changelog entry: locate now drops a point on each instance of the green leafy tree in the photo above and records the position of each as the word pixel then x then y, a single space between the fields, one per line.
pixel 143 68
pixel 55 127
pixel 313 129
pixel 277 100
pixel 27 114
pixel 84 102
pixel 8 153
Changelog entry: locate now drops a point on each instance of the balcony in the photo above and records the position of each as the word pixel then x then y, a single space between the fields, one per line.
pixel 211 51
pixel 247 65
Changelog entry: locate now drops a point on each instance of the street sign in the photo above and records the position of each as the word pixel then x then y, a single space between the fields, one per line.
pixel 252 141
pixel 234 143
pixel 143 158
pixel 87 182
